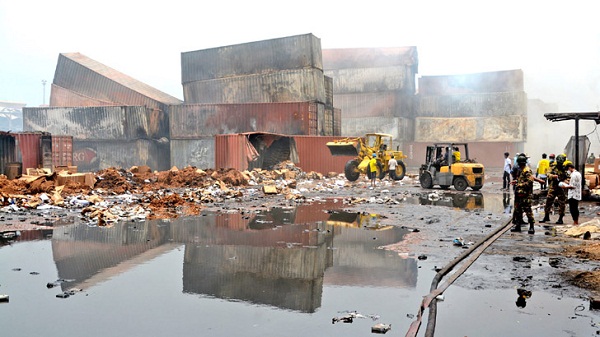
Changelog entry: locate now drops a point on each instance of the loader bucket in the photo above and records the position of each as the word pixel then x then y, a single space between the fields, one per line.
pixel 342 148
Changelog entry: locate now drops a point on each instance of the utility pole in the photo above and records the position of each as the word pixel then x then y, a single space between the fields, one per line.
pixel 44 92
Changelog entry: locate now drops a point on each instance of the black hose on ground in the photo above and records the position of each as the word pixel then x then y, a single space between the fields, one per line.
pixel 430 300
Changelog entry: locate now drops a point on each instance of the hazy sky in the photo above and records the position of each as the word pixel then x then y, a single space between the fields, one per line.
pixel 555 43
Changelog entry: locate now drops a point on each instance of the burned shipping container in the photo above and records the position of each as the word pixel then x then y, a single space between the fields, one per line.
pixel 250 150
pixel 198 152
pixel 471 129
pixel 99 123
pixel 485 82
pixel 94 155
pixel 261 57
pixel 85 77
pixel 192 121
pixel 493 104
pixel 297 85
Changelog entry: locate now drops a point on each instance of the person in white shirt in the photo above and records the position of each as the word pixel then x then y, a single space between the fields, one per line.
pixel 392 164
pixel 574 192
pixel 507 169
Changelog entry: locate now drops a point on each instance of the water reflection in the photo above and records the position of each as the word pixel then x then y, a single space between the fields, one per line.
pixel 468 201
pixel 281 257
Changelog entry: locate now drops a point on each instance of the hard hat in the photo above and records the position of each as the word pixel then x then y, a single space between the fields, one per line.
pixel 374 154
pixel 567 162
pixel 561 158
pixel 552 155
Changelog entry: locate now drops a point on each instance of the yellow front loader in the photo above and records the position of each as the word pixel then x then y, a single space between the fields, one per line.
pixel 362 148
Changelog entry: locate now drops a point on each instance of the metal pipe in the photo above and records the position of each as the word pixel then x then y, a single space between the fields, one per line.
pixel 430 299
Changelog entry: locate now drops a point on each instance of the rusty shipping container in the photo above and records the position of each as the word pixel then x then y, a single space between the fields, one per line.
pixel 199 152
pixel 237 151
pixel 96 123
pixel 61 97
pixel 246 151
pixel 62 150
pixel 471 129
pixel 94 155
pixel 192 121
pixel 86 77
pixel 29 149
pixel 261 57
pixel 376 104
pixel 485 82
pixel 474 105
pixel 348 58
pixel 297 85
pixel 314 155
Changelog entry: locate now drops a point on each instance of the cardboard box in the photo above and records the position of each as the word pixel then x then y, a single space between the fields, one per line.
pixel 64 168
pixel 82 178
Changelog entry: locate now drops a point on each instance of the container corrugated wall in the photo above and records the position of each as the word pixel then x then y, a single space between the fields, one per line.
pixel 487 82
pixel 345 58
pixel 293 52
pixel 402 129
pixel 61 97
pixel 107 122
pixel 29 145
pixel 471 129
pixel 314 155
pixel 474 105
pixel 231 151
pixel 8 153
pixel 87 77
pixel 200 120
pixel 369 79
pixel 198 152
pixel 375 104
pixel 62 150
pixel 100 154
pixel 337 122
pixel 283 86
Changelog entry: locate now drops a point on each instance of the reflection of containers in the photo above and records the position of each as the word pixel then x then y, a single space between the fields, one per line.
pixel 13 170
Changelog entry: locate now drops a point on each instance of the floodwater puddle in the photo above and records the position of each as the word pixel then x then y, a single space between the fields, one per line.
pixel 283 271
pixel 291 268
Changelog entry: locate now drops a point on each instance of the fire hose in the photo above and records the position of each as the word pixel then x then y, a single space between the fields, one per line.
pixel 430 300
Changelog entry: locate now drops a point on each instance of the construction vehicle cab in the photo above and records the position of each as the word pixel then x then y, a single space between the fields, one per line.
pixel 363 148
pixel 449 164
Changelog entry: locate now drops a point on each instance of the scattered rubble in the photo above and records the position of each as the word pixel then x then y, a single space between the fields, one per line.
pixel 138 193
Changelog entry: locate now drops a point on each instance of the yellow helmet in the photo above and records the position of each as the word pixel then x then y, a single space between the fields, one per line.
pixel 567 162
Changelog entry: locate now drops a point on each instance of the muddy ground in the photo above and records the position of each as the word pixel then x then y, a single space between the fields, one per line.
pixel 549 260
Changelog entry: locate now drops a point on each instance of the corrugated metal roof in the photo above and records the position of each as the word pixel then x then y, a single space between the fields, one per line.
pixel 88 77
pixel 286 53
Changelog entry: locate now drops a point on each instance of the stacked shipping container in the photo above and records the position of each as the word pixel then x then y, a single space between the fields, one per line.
pixel 114 119
pixel 374 88
pixel 488 110
pixel 274 86
pixel 106 136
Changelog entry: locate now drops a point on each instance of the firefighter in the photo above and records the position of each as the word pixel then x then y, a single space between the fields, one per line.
pixel 556 174
pixel 523 194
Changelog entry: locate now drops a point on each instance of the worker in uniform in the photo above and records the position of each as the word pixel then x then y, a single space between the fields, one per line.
pixel 542 170
pixel 373 165
pixel 557 174
pixel 523 194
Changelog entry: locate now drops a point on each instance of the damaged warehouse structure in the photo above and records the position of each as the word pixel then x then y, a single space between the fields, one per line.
pixel 285 87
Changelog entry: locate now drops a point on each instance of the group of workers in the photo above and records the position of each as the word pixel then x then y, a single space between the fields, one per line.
pixel 557 174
